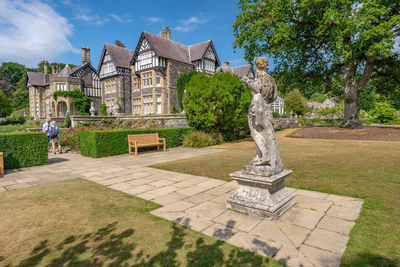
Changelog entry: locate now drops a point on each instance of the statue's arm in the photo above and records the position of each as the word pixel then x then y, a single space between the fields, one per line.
pixel 274 94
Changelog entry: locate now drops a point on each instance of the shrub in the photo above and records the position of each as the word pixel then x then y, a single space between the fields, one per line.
pixel 367 98
pixel 18 115
pixel 295 102
pixel 383 113
pixel 201 139
pixel 276 115
pixel 183 79
pixel 218 103
pixel 103 110
pixel 23 149
pixel 71 136
pixel 337 110
pixel 98 144
pixel 5 105
pixel 67 120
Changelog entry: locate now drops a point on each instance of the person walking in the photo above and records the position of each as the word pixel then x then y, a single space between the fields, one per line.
pixel 46 128
pixel 55 138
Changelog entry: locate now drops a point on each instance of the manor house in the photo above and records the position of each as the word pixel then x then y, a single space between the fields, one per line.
pixel 42 86
pixel 141 81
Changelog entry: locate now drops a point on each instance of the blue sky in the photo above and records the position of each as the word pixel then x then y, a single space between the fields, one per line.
pixel 31 31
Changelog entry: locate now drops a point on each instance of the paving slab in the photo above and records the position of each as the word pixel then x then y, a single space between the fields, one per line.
pixel 345 213
pixel 139 189
pixel 199 198
pixel 195 223
pixel 321 257
pixel 192 190
pixel 313 203
pixel 169 198
pixel 255 244
pixel 237 220
pixel 161 183
pixel 327 240
pixel 207 210
pixel 302 217
pixel 219 231
pixel 336 225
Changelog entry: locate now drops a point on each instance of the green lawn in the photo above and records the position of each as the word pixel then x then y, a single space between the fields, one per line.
pixel 364 169
pixel 80 223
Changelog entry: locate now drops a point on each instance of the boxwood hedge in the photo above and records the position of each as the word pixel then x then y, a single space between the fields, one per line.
pixel 23 149
pixel 98 144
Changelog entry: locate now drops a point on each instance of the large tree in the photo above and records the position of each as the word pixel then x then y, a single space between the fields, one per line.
pixel 353 35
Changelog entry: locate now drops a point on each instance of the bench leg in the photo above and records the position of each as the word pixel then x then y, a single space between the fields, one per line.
pixel 130 149
pixel 164 147
pixel 136 150
pixel 158 148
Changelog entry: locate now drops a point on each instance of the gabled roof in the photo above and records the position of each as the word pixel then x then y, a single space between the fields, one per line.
pixel 65 72
pixel 197 50
pixel 243 70
pixel 120 56
pixel 35 78
pixel 240 71
pixel 168 48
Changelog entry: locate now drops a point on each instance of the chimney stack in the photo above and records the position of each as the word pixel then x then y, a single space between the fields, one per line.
pixel 84 56
pixel 88 55
pixel 53 69
pixel 45 67
pixel 166 33
pixel 119 43
pixel 226 64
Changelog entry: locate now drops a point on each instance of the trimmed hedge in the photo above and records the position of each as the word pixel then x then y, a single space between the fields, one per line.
pixel 98 144
pixel 23 149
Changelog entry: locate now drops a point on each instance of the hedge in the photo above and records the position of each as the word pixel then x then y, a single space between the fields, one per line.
pixel 23 149
pixel 98 144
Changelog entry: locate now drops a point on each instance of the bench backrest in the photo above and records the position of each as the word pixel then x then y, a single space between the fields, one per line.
pixel 144 138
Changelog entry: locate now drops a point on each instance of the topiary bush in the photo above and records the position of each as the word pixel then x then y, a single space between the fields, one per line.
pixel 217 103
pixel 201 139
pixel 23 149
pixel 98 144
pixel 103 110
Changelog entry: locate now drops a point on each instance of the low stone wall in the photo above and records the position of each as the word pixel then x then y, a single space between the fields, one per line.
pixel 167 121
pixel 285 123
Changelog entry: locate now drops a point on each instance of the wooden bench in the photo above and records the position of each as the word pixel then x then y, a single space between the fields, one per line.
pixel 1 164
pixel 144 140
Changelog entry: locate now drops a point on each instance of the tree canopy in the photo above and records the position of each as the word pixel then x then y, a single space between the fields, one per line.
pixel 321 35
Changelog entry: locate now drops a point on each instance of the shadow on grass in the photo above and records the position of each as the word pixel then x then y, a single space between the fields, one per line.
pixel 369 259
pixel 107 247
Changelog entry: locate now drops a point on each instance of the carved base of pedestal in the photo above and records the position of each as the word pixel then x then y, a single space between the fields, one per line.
pixel 262 196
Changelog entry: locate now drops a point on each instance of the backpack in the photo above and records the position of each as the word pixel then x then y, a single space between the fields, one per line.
pixel 53 132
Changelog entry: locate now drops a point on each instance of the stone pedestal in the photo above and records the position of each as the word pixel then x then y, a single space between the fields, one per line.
pixel 262 196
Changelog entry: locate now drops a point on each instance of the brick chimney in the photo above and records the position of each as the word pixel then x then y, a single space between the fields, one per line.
pixel 119 43
pixel 45 67
pixel 88 55
pixel 84 56
pixel 166 33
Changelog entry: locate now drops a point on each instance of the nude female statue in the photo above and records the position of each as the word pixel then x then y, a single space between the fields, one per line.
pixel 264 91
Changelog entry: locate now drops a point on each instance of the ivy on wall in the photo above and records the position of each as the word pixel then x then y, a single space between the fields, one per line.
pixel 79 99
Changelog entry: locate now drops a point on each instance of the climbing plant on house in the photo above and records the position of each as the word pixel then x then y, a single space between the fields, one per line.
pixel 79 99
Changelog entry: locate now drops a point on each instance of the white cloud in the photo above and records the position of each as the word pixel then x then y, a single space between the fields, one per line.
pixel 237 62
pixel 31 31
pixel 190 23
pixel 154 19
pixel 94 19
pixel 120 19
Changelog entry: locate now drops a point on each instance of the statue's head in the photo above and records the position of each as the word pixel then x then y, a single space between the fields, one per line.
pixel 261 63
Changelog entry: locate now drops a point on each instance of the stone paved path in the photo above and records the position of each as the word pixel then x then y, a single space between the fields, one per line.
pixel 312 233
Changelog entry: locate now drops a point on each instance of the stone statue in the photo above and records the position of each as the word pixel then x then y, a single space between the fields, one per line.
pixel 261 190
pixel 115 109
pixel 264 92
pixel 92 109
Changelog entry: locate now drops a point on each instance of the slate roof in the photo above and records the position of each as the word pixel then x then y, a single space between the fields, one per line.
pixel 168 48
pixel 120 56
pixel 240 71
pixel 36 78
pixel 197 50
pixel 65 72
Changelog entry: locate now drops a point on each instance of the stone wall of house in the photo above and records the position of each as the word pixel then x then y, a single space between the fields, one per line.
pixel 125 93
pixel 285 123
pixel 174 70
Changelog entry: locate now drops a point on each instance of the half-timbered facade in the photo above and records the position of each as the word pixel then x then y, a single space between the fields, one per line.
pixel 42 86
pixel 115 76
pixel 156 65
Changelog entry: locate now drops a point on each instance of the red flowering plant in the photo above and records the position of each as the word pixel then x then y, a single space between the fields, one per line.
pixel 70 137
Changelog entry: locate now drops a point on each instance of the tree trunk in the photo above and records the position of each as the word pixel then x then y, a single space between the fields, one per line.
pixel 350 118
pixel 352 90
